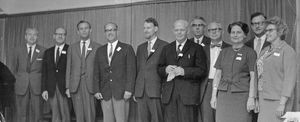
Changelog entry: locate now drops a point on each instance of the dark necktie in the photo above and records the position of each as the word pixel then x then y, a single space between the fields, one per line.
pixel 57 55
pixel 29 60
pixel 110 53
pixel 83 63
pixel 178 49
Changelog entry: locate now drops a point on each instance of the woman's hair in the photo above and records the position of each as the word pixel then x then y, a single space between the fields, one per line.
pixel 280 25
pixel 243 26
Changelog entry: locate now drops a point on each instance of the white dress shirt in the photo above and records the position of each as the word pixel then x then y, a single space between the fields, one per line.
pixel 87 43
pixel 182 44
pixel 60 49
pixel 214 53
pixel 262 39
pixel 114 44
pixel 32 49
pixel 200 40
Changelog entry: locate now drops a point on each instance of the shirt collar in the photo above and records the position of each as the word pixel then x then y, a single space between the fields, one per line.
pixel 113 44
pixel 87 42
pixel 32 46
pixel 200 39
pixel 182 44
pixel 263 38
pixel 153 40
pixel 60 47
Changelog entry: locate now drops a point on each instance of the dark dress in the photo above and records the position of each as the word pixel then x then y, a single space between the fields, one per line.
pixel 233 88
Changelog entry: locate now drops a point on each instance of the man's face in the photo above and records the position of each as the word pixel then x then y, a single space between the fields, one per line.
pixel 258 25
pixel 111 32
pixel 180 31
pixel 59 36
pixel 84 31
pixel 31 36
pixel 214 31
pixel 198 27
pixel 149 30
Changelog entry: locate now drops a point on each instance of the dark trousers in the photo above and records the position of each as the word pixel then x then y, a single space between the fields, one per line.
pixel 176 111
pixel 28 107
pixel 149 109
pixel 84 104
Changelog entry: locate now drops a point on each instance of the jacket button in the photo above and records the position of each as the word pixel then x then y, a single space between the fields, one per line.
pixel 56 70
pixel 110 80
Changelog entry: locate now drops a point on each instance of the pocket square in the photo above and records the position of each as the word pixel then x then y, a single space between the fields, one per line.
pixel 39 59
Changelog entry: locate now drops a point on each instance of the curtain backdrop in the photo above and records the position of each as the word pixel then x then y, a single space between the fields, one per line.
pixel 130 19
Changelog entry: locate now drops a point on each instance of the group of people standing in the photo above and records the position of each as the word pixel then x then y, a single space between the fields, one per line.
pixel 202 79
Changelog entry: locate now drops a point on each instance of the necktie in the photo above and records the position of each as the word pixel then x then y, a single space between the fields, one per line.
pixel 110 54
pixel 29 60
pixel 57 55
pixel 149 47
pixel 83 50
pixel 215 45
pixel 82 58
pixel 178 48
pixel 258 45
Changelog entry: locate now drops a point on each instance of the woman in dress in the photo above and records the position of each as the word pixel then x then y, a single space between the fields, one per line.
pixel 277 70
pixel 233 86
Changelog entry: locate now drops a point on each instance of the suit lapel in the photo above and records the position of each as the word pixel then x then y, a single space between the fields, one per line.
pixel 155 47
pixel 77 48
pixel 116 51
pixel 62 55
pixel 144 50
pixel 90 49
pixel 36 52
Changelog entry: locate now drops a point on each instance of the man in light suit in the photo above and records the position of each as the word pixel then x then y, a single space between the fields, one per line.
pixel 258 42
pixel 148 83
pixel 115 72
pixel 54 77
pixel 27 68
pixel 182 65
pixel 198 25
pixel 79 74
pixel 258 26
pixel 212 50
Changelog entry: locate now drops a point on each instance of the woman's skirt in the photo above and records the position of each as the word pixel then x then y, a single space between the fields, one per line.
pixel 232 107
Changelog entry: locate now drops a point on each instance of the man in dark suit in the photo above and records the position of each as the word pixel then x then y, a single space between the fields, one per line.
pixel 54 77
pixel 27 68
pixel 80 73
pixel 7 80
pixel 148 83
pixel 212 50
pixel 114 76
pixel 182 65
pixel 258 26
pixel 198 25
pixel 258 42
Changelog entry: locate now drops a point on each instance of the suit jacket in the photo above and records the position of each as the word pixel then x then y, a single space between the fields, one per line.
pixel 34 77
pixel 54 74
pixel 115 79
pixel 279 72
pixel 205 40
pixel 148 79
pixel 193 62
pixel 6 76
pixel 207 52
pixel 73 73
pixel 250 43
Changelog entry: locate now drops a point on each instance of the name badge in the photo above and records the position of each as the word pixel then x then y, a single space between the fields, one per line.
pixel 119 48
pixel 189 56
pixel 239 54
pixel 152 50
pixel 276 54
pixel 63 52
pixel 180 54
pixel 89 49
pixel 38 51
pixel 238 58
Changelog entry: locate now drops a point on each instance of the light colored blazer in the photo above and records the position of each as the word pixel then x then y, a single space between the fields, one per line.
pixel 74 63
pixel 279 72
pixel 23 78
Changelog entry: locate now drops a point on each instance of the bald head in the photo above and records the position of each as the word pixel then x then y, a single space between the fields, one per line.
pixel 181 30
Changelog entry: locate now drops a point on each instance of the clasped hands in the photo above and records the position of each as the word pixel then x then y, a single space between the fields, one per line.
pixel 127 95
pixel 173 71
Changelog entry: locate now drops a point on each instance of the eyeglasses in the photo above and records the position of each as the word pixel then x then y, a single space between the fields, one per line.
pixel 214 29
pixel 270 30
pixel 110 30
pixel 257 23
pixel 199 25
pixel 60 34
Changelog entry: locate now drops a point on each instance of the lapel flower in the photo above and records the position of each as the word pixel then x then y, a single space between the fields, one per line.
pixel 119 48
pixel 152 50
pixel 180 54
pixel 37 50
